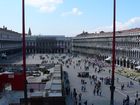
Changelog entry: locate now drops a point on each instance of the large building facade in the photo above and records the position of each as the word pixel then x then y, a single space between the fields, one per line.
pixel 10 41
pixel 48 44
pixel 100 45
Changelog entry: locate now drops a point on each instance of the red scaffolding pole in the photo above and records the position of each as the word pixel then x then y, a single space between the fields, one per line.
pixel 24 51
pixel 112 87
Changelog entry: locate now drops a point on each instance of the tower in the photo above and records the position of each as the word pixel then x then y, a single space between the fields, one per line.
pixel 29 32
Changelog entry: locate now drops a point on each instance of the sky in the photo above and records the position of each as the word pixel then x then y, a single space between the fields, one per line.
pixel 69 17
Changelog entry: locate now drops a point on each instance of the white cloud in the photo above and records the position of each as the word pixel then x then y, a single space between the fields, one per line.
pixel 131 23
pixel 74 11
pixel 134 22
pixel 44 5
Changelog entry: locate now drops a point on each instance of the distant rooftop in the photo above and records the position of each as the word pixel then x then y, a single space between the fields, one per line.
pixel 54 37
pixel 133 30
pixel 5 29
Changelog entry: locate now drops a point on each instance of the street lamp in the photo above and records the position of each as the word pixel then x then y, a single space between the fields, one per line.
pixel 24 52
pixel 112 87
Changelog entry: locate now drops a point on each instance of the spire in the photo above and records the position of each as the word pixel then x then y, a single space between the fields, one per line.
pixel 29 32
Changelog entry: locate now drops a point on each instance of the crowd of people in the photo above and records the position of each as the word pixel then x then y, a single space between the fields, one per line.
pixel 84 64
pixel 93 79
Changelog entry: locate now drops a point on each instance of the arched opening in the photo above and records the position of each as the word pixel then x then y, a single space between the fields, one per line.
pixel 128 63
pixel 132 65
pixel 117 61
pixel 121 62
pixel 124 63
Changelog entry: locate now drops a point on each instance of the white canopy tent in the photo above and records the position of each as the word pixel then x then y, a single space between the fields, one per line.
pixel 137 67
pixel 108 59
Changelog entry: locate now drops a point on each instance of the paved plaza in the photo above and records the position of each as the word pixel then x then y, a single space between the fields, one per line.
pixel 75 82
pixel 104 99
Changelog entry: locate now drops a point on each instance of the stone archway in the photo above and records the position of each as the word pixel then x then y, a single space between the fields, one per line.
pixel 132 65
pixel 117 61
pixel 128 63
pixel 121 62
pixel 124 63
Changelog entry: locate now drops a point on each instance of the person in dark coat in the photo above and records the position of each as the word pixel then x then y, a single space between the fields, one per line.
pixel 94 91
pixel 80 95
pixel 137 94
pixel 85 102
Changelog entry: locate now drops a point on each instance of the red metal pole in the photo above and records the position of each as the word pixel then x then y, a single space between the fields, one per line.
pixel 24 51
pixel 112 87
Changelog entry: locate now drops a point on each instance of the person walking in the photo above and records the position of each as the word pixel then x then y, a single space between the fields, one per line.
pixel 74 93
pixel 135 102
pixel 85 102
pixel 137 95
pixel 76 101
pixel 97 91
pixel 127 100
pixel 91 82
pixel 82 88
pixel 128 85
pixel 117 80
pixel 94 91
pixel 80 96
pixel 79 103
pixel 122 86
pixel 139 81
pixel 100 92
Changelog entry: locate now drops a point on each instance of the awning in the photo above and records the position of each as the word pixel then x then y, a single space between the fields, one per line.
pixel 51 70
pixel 42 67
pixel 108 59
pixel 7 72
pixel 48 85
pixel 137 67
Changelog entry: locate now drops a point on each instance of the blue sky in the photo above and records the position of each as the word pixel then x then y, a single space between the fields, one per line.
pixel 69 17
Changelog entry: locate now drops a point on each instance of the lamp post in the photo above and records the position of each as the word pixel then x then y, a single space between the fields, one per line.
pixel 112 87
pixel 24 52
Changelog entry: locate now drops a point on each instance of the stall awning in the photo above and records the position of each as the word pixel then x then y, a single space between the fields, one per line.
pixel 137 67
pixel 108 59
